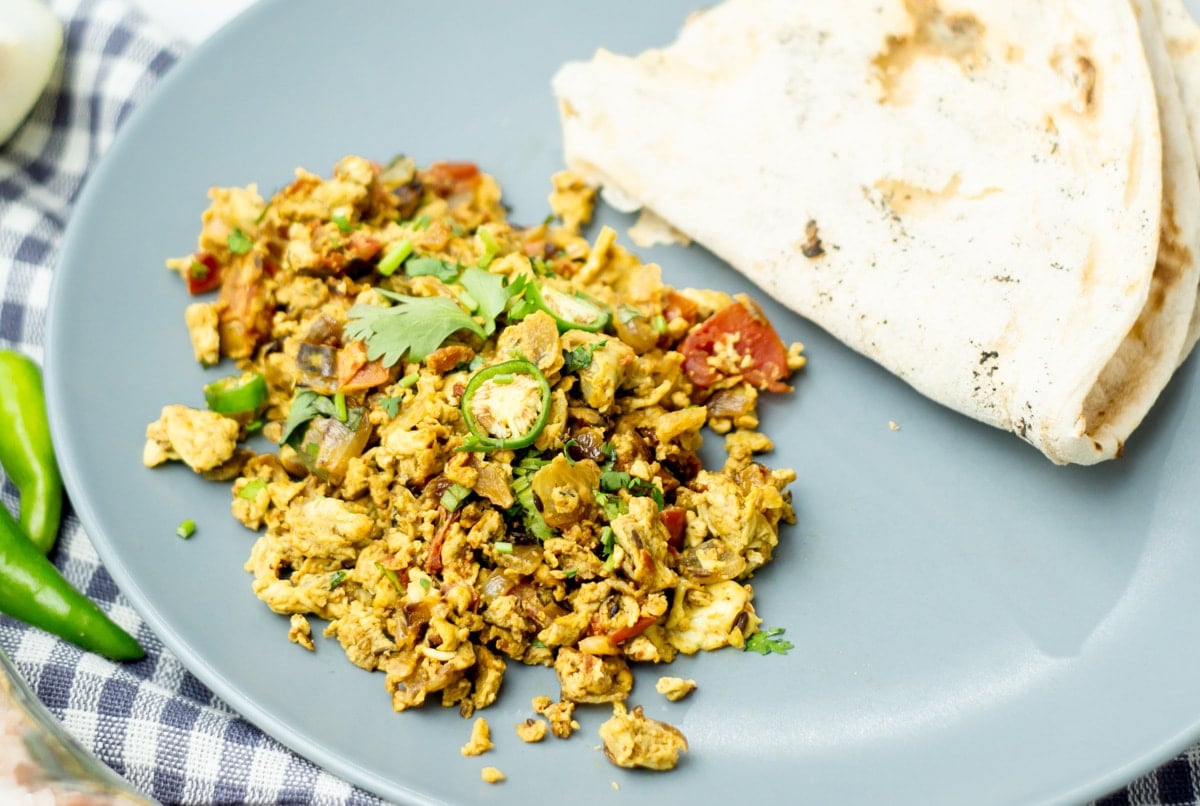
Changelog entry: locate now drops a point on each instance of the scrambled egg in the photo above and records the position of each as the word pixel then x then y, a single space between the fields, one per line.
pixel 488 438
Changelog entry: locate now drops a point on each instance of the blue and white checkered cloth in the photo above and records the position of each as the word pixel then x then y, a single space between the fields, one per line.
pixel 152 721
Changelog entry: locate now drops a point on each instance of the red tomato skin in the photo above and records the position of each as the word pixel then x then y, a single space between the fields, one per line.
pixel 756 338
pixel 207 281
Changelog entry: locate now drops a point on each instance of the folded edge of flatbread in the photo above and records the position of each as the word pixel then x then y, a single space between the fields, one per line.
pixel 971 194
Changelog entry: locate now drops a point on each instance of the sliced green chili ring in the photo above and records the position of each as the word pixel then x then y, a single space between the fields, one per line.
pixel 570 311
pixel 508 385
pixel 237 394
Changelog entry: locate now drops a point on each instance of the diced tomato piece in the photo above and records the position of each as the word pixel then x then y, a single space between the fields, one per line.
pixel 447 178
pixel 756 338
pixel 675 519
pixel 204 274
pixel 680 307
pixel 633 630
pixel 355 373
pixel 363 247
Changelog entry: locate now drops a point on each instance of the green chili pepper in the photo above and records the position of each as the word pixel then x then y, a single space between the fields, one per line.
pixel 32 590
pixel 237 394
pixel 26 452
pixel 570 311
pixel 505 406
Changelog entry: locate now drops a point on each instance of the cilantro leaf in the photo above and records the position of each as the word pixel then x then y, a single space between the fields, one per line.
pixel 613 480
pixel 424 266
pixel 611 505
pixel 239 242
pixel 415 327
pixel 391 405
pixel 306 405
pixel 489 291
pixel 768 641
pixel 580 357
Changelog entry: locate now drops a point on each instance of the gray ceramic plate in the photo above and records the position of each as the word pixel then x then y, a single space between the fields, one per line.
pixel 972 624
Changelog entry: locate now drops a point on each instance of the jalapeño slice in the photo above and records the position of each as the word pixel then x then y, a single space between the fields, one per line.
pixel 570 311
pixel 237 394
pixel 505 406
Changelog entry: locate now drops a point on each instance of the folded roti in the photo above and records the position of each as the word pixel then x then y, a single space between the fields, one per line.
pixel 970 193
pixel 1182 37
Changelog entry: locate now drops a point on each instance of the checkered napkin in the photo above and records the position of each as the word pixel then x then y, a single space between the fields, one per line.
pixel 151 721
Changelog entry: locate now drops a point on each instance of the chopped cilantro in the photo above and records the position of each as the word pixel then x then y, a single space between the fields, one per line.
pixel 239 242
pixel 431 266
pixel 306 405
pixel 581 356
pixel 415 327
pixel 768 641
pixel 391 405
pixel 611 505
pixel 613 480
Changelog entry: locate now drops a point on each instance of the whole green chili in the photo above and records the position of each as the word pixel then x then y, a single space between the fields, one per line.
pixel 26 453
pixel 32 590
